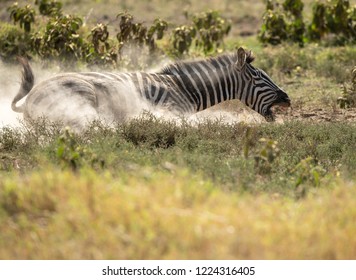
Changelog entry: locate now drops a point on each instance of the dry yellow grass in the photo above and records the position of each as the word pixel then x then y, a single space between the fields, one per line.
pixel 62 215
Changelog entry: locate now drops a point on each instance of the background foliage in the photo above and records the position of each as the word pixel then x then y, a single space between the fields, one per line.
pixel 65 38
pixel 333 21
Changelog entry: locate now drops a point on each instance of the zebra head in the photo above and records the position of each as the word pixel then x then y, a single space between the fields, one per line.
pixel 258 91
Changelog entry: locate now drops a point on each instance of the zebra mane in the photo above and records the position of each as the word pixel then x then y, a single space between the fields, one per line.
pixel 249 57
pixel 178 67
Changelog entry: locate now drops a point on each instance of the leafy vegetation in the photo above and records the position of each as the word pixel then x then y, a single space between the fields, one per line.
pixel 207 32
pixel 335 19
pixel 25 16
pixel 283 25
pixel 348 98
pixel 64 36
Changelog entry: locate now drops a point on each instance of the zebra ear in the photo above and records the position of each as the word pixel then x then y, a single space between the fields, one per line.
pixel 241 58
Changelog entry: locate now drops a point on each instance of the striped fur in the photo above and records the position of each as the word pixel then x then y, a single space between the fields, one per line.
pixel 183 88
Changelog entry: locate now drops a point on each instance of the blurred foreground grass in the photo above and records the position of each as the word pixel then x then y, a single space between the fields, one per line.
pixel 152 189
pixel 49 214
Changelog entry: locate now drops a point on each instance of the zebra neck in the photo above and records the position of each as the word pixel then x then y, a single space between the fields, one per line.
pixel 212 87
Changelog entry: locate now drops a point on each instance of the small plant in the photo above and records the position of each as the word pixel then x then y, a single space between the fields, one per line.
pixel 69 153
pixel 306 172
pixel 348 98
pixel 10 139
pixel 207 32
pixel 182 38
pixel 265 157
pixel 73 155
pixel 274 28
pixel 13 41
pixel 296 28
pixel 248 140
pixel 283 24
pixel 318 27
pixel 49 7
pixel 100 50
pixel 151 132
pixel 61 38
pixel 99 38
pixel 25 16
pixel 138 33
pixel 211 29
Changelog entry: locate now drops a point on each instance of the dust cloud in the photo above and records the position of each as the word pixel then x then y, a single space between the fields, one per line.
pixel 9 84
pixel 10 81
pixel 132 106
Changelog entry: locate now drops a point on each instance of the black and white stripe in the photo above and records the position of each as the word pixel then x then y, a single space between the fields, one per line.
pixel 193 86
pixel 183 88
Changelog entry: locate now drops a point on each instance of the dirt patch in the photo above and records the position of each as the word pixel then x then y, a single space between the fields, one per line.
pixel 235 111
pixel 318 114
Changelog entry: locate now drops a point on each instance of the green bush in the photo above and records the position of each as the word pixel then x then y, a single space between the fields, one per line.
pixel 13 41
pixel 348 98
pixel 138 33
pixel 49 7
pixel 64 37
pixel 25 16
pixel 334 22
pixel 335 18
pixel 283 24
pixel 150 132
pixel 61 38
pixel 207 33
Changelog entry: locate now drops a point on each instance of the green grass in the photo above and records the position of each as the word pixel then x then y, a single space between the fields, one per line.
pixel 205 191
pixel 148 214
pixel 231 156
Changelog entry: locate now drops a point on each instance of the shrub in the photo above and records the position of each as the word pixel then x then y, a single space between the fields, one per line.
pixel 13 41
pixel 150 131
pixel 138 33
pixel 25 16
pixel 207 32
pixel 182 38
pixel 348 98
pixel 49 7
pixel 334 21
pixel 64 37
pixel 267 154
pixel 61 38
pixel 283 24
pixel 336 18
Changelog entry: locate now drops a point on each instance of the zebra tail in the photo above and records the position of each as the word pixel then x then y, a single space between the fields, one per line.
pixel 27 83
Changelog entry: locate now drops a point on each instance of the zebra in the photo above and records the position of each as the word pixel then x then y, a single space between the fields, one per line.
pixel 183 88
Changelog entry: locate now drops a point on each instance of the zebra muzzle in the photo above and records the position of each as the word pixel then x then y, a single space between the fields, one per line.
pixel 283 100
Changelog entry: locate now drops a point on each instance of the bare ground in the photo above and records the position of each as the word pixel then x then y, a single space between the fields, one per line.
pixel 314 114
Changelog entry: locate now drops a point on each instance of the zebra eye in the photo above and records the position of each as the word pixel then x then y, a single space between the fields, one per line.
pixel 256 74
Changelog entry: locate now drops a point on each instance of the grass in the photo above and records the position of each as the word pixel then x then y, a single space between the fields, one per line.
pixel 145 214
pixel 231 155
